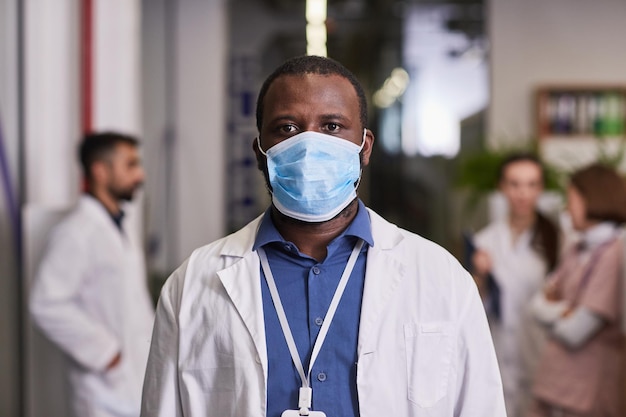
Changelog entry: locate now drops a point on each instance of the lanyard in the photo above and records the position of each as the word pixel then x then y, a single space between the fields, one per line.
pixel 306 392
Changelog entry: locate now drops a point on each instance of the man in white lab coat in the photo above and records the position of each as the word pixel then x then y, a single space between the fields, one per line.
pixel 90 295
pixel 319 307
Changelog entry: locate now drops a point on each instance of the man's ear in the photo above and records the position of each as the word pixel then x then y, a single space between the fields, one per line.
pixel 99 172
pixel 260 158
pixel 368 146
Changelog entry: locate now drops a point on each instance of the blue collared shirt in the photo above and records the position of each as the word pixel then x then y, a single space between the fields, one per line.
pixel 306 288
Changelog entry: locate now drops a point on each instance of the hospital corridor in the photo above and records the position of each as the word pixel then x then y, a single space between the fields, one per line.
pixel 334 208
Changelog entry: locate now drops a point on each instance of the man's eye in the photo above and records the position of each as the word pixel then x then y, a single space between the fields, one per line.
pixel 332 127
pixel 288 128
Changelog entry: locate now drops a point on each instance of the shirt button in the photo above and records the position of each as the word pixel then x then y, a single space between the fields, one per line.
pixel 287 247
pixel 316 270
pixel 321 377
pixel 319 321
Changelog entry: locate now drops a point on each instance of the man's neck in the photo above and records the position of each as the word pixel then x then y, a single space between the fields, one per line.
pixel 313 238
pixel 111 204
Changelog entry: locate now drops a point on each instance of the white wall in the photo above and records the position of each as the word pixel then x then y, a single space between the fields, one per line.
pixel 52 113
pixel 156 122
pixel 117 55
pixel 185 82
pixel 201 84
pixel 538 42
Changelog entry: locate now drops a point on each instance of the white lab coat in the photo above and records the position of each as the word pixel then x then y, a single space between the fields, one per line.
pixel 90 298
pixel 519 272
pixel 424 346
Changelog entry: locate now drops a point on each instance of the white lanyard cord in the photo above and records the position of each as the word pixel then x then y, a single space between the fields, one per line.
pixel 282 317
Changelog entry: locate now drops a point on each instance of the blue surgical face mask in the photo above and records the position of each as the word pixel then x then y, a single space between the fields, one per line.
pixel 313 175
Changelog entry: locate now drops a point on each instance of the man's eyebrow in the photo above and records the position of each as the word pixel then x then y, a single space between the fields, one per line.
pixel 334 116
pixel 282 117
pixel 325 117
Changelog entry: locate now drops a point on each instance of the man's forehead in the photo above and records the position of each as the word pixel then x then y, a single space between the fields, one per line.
pixel 124 150
pixel 296 80
pixel 125 146
pixel 294 89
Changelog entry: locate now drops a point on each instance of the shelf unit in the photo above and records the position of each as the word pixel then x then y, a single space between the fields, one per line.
pixel 581 112
pixel 574 121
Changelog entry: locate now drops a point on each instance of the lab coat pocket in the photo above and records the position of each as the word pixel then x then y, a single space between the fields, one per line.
pixel 211 391
pixel 429 348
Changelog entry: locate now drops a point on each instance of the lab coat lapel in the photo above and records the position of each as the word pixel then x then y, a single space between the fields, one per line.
pixel 384 272
pixel 242 281
pixel 97 212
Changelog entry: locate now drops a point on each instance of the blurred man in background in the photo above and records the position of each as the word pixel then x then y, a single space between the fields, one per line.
pixel 90 295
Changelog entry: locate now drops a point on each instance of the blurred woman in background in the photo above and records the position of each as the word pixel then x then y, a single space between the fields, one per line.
pixel 581 305
pixel 516 254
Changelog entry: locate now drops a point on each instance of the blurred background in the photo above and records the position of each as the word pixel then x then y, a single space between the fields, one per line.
pixel 449 83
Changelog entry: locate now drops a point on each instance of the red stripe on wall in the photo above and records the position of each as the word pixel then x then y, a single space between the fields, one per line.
pixel 86 72
pixel 87 65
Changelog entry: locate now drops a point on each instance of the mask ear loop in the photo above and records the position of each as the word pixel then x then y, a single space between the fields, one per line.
pixel 258 143
pixel 358 182
pixel 268 187
pixel 363 140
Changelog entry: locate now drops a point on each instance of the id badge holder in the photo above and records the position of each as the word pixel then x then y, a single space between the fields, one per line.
pixel 304 402
pixel 296 413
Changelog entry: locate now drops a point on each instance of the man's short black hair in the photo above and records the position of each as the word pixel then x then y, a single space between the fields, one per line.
pixel 99 146
pixel 310 64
